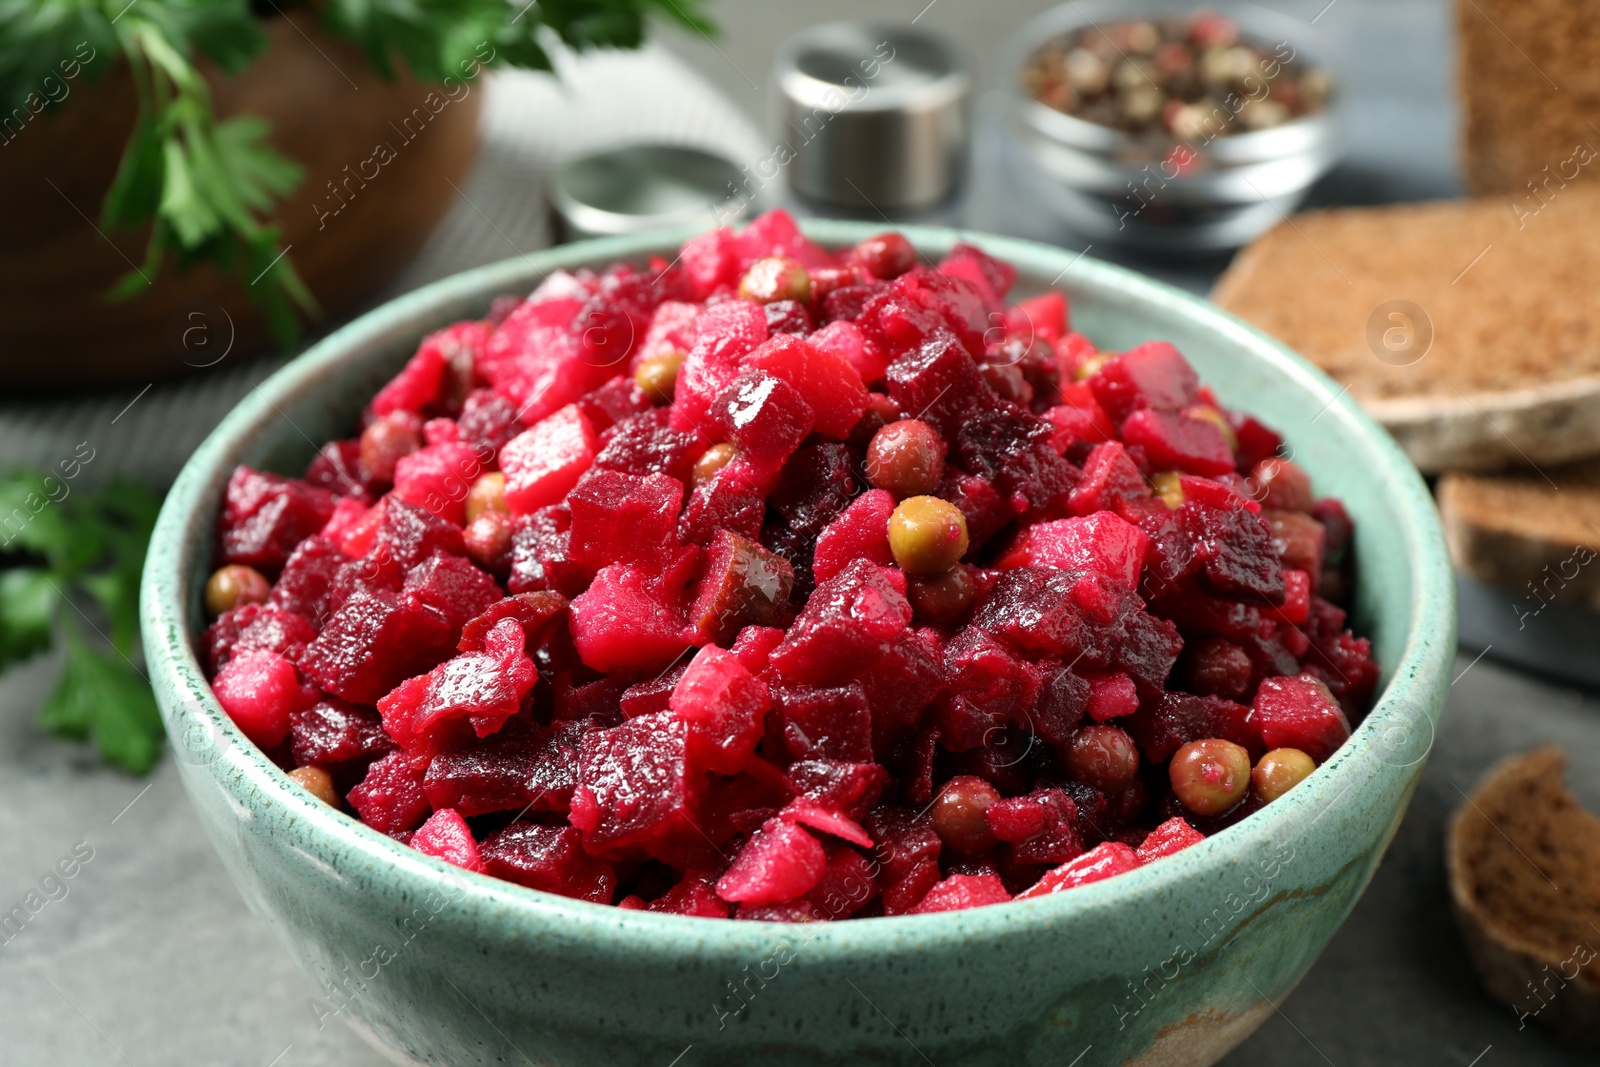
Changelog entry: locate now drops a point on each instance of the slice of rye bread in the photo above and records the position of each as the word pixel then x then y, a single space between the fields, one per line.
pixel 1523 862
pixel 1513 371
pixel 1536 533
pixel 1527 108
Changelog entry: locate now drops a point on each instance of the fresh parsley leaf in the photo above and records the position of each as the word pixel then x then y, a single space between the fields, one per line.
pixel 105 698
pixel 86 548
pixel 28 600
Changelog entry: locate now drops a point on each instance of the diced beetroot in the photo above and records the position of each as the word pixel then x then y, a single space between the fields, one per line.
pixel 845 339
pixel 1078 420
pixel 781 862
pixel 992 277
pixel 901 686
pixel 963 891
pixel 1226 491
pixel 1011 449
pixel 1296 607
pixel 807 812
pixel 542 464
pixel 839 785
pixel 983 508
pixel 850 620
pixel 671 329
pixel 437 478
pixel 723 705
pixel 1174 440
pixel 646 444
pixel 266 516
pixel 488 420
pixel 1236 551
pixel 535 613
pixel 260 690
pixel 390 798
pixel 775 233
pixel 618 400
pixel 417 387
pixel 372 642
pixel 538 359
pixel 847 884
pixel 350 515
pixel 1041 827
pixel 446 836
pixel 861 531
pixel 554 775
pixel 486 688
pixel 624 518
pixel 1153 375
pixel 1109 479
pixel 636 789
pixel 1100 542
pixel 622 623
pixel 494 775
pixel 827 382
pixel 712 260
pixel 696 895
pixel 764 415
pixel 725 334
pixel 937 382
pixel 754 646
pixel 1179 718
pixel 1103 861
pixel 825 723
pixel 333 732
pixel 258 628
pixel 337 468
pixel 551 859
pixel 1298 539
pixel 1043 317
pixel 1299 713
pixel 1174 835
pixel 1063 702
pixel 959 303
pixel 1112 696
pixel 453 587
pixel 907 854
pixel 441 431
pixel 303 586
pixel 540 554
pixel 408 534
pixel 992 686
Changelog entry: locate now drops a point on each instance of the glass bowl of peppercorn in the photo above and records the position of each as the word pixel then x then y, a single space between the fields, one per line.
pixel 1170 130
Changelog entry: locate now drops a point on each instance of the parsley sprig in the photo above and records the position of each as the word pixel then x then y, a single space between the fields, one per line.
pixel 69 566
pixel 206 187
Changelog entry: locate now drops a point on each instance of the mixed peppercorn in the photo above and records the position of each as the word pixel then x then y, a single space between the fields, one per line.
pixel 1190 79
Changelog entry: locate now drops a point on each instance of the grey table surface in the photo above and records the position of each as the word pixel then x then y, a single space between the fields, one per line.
pixel 148 955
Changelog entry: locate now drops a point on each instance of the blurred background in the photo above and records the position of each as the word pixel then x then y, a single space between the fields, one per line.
pixel 149 949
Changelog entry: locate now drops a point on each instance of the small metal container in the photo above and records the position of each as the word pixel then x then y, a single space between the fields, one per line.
pixel 871 118
pixel 1111 187
pixel 644 187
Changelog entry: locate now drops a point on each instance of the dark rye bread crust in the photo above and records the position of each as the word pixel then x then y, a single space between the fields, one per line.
pixel 1526 105
pixel 1523 860
pixel 1519 531
pixel 1513 372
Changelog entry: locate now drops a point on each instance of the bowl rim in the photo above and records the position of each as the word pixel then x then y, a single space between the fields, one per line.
pixel 240 768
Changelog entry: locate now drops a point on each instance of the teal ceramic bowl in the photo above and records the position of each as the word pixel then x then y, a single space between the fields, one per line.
pixel 1174 963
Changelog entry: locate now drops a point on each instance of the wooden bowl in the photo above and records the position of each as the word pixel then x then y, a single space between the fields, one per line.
pixel 357 217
